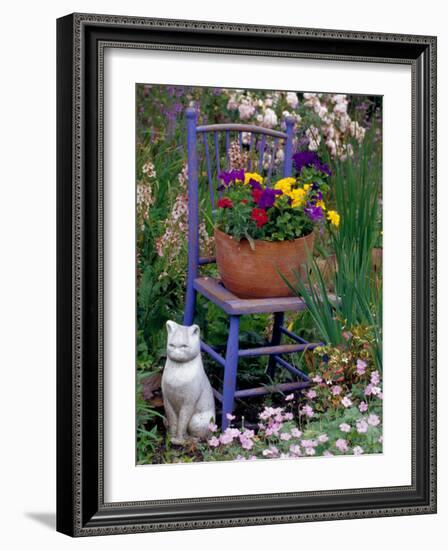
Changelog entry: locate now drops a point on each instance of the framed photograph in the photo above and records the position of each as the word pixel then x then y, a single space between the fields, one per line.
pixel 246 274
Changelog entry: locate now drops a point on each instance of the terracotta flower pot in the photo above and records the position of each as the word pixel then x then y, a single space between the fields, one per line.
pixel 255 273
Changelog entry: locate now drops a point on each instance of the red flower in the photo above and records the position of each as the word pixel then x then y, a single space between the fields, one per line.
pixel 259 215
pixel 256 194
pixel 225 203
pixel 244 201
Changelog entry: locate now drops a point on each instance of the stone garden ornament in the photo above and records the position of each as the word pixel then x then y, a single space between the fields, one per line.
pixel 187 393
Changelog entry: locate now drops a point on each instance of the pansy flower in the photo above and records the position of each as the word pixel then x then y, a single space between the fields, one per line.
pixel 333 217
pixel 304 159
pixel 252 176
pixel 233 176
pixel 285 185
pixel 314 212
pixel 267 197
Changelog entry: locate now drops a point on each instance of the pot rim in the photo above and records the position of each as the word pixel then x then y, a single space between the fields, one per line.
pixel 217 230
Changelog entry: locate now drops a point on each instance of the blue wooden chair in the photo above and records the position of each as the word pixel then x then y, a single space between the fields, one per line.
pixel 264 144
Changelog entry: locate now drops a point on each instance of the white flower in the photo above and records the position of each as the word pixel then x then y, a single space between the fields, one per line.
pixel 346 402
pixel 270 118
pixel 232 104
pixel 292 100
pixel 246 109
pixel 312 133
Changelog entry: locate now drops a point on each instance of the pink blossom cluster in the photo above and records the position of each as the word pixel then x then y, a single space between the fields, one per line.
pixel 175 236
pixel 336 125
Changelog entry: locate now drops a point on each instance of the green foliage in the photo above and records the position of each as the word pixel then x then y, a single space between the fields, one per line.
pixel 357 296
pixel 161 270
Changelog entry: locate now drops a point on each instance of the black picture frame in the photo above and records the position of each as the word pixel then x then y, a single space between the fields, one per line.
pixel 81 39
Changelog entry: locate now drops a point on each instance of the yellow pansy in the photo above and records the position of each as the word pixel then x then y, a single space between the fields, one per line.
pixel 252 176
pixel 334 217
pixel 306 186
pixel 322 205
pixel 297 196
pixel 285 185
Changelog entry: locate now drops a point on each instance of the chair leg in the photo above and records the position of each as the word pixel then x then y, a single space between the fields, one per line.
pixel 230 371
pixel 275 341
pixel 190 306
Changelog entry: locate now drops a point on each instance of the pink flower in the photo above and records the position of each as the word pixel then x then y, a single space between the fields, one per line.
pixel 289 397
pixel 307 410
pixel 361 366
pixel 273 428
pixel 341 445
pixel 212 427
pixel 213 442
pixel 361 426
pixel 380 439
pixel 285 436
pixel 306 443
pixel 327 453
pixel 271 452
pixel 288 416
pixel 368 390
pixel 344 427
pixel 246 443
pixel 346 402
pixel 230 417
pixel 363 406
pixel 267 413
pixel 295 450
pixel 311 394
pixel 229 435
pixel 375 378
pixel 317 379
pixel 336 390
pixel 295 432
pixel 310 451
pixel 373 420
pixel 322 438
pixel 358 450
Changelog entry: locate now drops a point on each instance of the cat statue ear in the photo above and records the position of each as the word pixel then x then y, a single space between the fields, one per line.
pixel 194 330
pixel 171 326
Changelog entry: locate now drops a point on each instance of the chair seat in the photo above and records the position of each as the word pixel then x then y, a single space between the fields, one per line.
pixel 215 291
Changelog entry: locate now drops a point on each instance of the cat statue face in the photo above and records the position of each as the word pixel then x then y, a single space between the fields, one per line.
pixel 183 342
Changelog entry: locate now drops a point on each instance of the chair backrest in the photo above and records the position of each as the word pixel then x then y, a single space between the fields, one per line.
pixel 262 146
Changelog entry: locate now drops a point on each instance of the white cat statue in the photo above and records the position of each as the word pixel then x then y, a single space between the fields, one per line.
pixel 187 393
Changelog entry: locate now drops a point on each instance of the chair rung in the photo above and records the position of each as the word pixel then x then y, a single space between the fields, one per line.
pixel 263 390
pixel 215 355
pixel 275 350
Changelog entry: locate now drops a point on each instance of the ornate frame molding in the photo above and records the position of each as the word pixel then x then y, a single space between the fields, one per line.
pixel 81 42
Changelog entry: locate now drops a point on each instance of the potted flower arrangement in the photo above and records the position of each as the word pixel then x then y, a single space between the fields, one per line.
pixel 264 230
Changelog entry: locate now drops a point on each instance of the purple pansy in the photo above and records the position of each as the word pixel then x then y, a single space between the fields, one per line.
pixel 310 158
pixel 267 198
pixel 315 213
pixel 230 177
pixel 255 184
